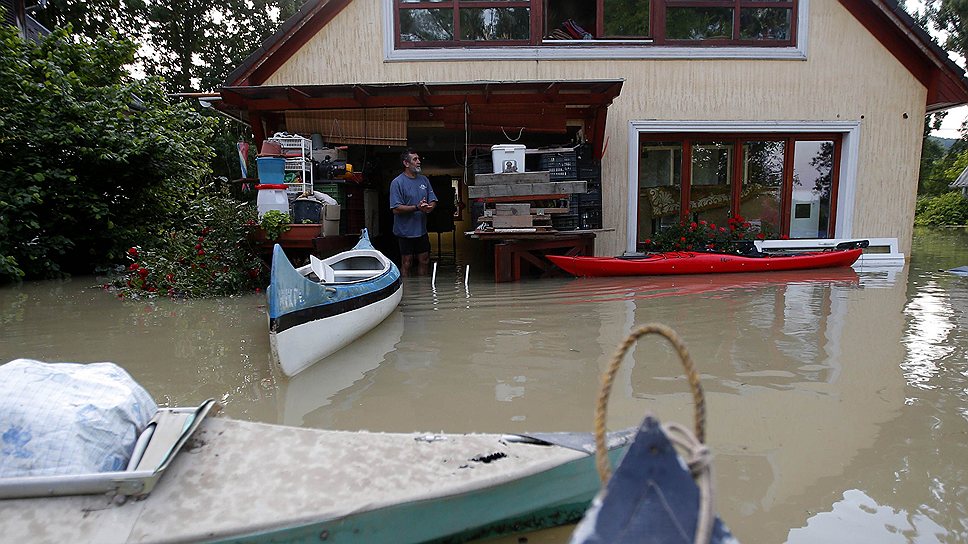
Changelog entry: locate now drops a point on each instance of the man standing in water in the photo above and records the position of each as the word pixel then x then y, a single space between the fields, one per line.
pixel 411 199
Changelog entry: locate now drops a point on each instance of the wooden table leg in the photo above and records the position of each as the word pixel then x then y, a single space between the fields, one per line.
pixel 510 256
pixel 503 255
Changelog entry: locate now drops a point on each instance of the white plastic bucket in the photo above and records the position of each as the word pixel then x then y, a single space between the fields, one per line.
pixel 271 197
pixel 507 158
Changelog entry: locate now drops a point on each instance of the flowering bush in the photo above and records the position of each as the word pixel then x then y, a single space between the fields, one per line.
pixel 706 236
pixel 208 256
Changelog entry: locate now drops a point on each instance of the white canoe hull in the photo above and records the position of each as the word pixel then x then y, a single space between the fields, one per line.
pixel 299 347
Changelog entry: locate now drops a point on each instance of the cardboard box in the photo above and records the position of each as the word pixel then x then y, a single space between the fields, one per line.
pixel 330 219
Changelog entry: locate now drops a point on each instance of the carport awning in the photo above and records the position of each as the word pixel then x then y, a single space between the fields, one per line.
pixel 541 106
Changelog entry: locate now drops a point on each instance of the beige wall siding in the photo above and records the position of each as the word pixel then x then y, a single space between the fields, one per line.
pixel 848 76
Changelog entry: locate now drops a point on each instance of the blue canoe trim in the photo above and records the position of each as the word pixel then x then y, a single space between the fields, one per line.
pixel 293 299
pixel 651 498
pixel 315 313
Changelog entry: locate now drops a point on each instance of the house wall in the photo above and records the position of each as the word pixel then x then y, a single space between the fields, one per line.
pixel 847 76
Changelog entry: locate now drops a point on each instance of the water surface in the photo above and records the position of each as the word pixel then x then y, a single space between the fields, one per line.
pixel 837 400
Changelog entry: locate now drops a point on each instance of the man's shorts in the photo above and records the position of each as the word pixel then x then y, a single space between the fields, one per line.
pixel 414 246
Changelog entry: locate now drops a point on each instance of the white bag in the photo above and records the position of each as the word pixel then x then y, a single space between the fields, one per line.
pixel 68 418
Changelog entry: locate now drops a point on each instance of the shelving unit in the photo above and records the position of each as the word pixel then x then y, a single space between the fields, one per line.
pixel 299 161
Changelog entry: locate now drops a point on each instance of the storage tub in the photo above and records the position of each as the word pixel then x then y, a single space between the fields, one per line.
pixel 271 197
pixel 272 170
pixel 507 158
pixel 306 210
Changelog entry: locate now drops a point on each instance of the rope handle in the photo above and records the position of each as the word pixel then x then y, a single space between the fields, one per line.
pixel 601 451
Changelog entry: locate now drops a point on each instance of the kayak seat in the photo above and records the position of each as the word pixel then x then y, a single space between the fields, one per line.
pixel 323 271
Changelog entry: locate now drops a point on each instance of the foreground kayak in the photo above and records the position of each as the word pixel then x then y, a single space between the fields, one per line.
pixel 321 307
pixel 240 481
pixel 690 262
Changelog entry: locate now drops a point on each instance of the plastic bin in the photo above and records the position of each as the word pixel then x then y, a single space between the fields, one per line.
pixel 306 210
pixel 271 197
pixel 562 166
pixel 507 158
pixel 272 170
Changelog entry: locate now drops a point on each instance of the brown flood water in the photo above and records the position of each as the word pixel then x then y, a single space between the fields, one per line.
pixel 837 400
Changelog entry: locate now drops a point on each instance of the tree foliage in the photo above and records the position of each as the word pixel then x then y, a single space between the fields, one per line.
pixel 947 209
pixel 940 167
pixel 192 45
pixel 92 158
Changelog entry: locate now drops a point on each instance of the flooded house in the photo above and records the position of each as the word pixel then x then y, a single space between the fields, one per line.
pixel 805 117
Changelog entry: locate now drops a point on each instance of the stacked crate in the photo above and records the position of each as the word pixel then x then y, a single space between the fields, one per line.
pixel 589 204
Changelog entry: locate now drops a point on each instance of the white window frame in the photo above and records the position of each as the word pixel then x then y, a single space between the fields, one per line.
pixel 620 50
pixel 847 185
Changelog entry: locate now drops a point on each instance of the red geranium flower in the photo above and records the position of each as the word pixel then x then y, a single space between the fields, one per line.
pixel 133 267
pixel 201 252
pixel 133 251
pixel 198 246
pixel 143 272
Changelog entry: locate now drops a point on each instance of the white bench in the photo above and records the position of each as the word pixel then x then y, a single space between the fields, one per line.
pixel 357 274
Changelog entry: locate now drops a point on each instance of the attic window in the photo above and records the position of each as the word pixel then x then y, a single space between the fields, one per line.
pixel 463 22
pixel 511 23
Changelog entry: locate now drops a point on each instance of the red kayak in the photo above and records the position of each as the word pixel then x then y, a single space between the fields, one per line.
pixel 690 262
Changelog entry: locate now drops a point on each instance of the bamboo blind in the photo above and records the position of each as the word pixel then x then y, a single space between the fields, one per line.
pixel 378 126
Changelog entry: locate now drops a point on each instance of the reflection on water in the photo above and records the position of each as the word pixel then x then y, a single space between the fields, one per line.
pixel 867 522
pixel 837 400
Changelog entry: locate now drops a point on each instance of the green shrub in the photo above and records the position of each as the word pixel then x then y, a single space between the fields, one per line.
pixel 208 255
pixel 274 223
pixel 947 209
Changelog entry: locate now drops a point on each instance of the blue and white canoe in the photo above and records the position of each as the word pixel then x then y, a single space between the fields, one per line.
pixel 319 308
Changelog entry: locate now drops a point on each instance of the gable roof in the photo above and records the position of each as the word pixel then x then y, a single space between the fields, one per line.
pixel 278 48
pixel 911 44
pixel 886 20
pixel 962 181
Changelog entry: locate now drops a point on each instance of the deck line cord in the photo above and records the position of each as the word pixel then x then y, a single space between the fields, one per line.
pixel 697 454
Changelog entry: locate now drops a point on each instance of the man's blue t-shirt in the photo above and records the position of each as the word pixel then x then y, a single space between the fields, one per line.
pixel 409 192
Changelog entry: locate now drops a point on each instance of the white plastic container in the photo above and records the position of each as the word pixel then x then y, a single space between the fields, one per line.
pixel 507 158
pixel 271 197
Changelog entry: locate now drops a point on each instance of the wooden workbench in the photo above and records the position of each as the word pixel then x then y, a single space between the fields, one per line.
pixel 516 252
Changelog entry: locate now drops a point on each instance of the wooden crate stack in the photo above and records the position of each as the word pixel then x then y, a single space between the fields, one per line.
pixel 519 201
pixel 517 216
